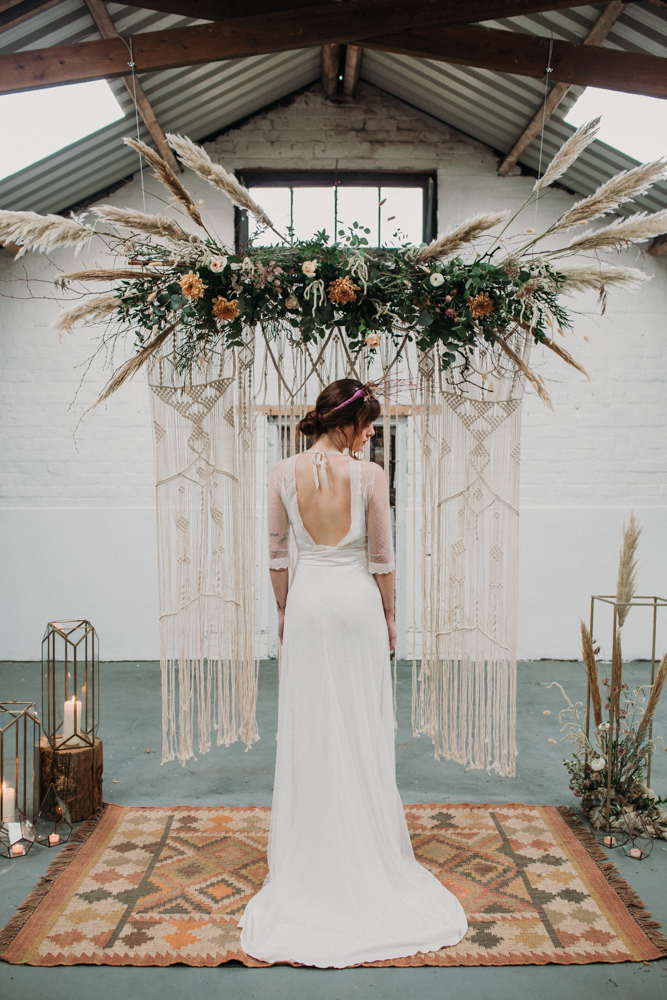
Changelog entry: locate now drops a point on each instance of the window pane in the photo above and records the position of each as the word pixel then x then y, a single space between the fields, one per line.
pixel 406 205
pixel 276 203
pixel 359 204
pixel 313 211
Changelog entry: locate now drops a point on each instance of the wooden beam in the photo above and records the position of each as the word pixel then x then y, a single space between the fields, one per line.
pixel 659 246
pixel 352 22
pixel 107 29
pixel 454 12
pixel 330 58
pixel 353 57
pixel 527 55
pixel 15 11
pixel 597 34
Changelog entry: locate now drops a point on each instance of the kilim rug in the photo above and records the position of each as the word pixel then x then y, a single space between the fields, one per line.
pixel 157 886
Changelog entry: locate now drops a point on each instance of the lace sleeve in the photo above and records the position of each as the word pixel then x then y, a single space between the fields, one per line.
pixel 378 524
pixel 278 524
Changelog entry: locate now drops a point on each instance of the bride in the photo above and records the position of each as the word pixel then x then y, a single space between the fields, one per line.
pixel 343 885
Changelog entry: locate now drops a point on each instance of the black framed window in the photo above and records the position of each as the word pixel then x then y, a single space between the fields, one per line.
pixel 395 207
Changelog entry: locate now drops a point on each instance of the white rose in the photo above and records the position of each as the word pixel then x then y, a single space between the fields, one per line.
pixel 437 279
pixel 372 340
pixel 603 727
pixel 218 264
pixel 309 267
pixel 598 764
pixel 291 302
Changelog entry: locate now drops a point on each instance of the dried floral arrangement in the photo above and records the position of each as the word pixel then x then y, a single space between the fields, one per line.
pixel 189 285
pixel 611 764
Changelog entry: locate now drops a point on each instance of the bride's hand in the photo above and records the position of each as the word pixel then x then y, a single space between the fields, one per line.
pixel 281 624
pixel 391 628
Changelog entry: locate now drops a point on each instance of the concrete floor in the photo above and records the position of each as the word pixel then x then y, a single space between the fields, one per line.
pixel 131 724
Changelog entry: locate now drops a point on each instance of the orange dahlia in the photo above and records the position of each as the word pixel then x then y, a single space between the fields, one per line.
pixel 342 290
pixel 481 304
pixel 192 285
pixel 225 308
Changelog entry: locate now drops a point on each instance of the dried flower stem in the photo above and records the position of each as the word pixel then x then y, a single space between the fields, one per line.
pixel 531 376
pixel 623 187
pixel 155 225
pixel 627 568
pixel 568 153
pixel 654 697
pixel 454 239
pixel 592 673
pixel 164 173
pixel 566 356
pixel 92 310
pixel 623 233
pixel 102 274
pixel 131 367
pixel 42 232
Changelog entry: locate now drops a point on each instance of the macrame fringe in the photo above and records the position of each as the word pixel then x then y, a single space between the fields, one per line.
pixel 60 863
pixel 634 904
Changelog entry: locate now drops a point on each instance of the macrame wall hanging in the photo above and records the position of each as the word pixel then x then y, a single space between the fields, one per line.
pixel 225 333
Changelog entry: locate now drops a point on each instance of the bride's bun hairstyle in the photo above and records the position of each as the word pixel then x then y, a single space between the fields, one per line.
pixel 342 403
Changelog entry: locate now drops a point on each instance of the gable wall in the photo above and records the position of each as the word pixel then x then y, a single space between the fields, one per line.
pixel 78 517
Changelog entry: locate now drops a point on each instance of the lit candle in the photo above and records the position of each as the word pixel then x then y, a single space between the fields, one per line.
pixel 53 839
pixel 610 841
pixel 68 717
pixel 635 852
pixel 8 803
pixel 17 850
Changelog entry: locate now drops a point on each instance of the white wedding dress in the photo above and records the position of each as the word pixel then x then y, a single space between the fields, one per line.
pixel 343 885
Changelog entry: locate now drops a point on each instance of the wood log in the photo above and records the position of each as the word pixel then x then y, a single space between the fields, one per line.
pixel 76 773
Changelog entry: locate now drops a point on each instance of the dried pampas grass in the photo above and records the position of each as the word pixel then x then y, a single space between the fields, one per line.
pixel 599 276
pixel 91 310
pixel 531 376
pixel 566 356
pixel 654 698
pixel 131 367
pixel 623 187
pixel 164 173
pixel 101 274
pixel 197 159
pixel 623 233
pixel 42 232
pixel 456 238
pixel 155 225
pixel 568 153
pixel 627 567
pixel 592 673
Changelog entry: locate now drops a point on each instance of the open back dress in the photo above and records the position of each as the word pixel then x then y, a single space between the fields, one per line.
pixel 343 885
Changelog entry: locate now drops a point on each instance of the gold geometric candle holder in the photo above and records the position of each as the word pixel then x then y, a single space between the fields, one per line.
pixel 70 684
pixel 19 778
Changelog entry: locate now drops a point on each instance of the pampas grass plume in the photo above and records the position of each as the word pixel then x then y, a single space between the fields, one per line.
pixel 92 310
pixel 627 568
pixel 654 697
pixel 456 238
pixel 568 153
pixel 42 232
pixel 623 232
pixel 602 274
pixel 131 219
pixel 623 187
pixel 197 159
pixel 164 173
pixel 592 673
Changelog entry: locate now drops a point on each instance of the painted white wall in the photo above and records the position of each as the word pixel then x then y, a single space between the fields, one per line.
pixel 77 516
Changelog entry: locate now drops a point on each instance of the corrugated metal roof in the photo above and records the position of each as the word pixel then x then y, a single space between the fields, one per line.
pixel 200 100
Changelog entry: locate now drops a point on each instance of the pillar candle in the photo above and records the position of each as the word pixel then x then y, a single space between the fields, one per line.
pixel 8 803
pixel 68 717
pixel 635 852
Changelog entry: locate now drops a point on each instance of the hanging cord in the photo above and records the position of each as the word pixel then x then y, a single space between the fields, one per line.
pixel 132 64
pixel 548 71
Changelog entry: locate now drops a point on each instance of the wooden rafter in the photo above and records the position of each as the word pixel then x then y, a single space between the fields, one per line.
pixel 471 45
pixel 15 11
pixel 107 29
pixel 527 55
pixel 353 57
pixel 449 11
pixel 330 58
pixel 596 35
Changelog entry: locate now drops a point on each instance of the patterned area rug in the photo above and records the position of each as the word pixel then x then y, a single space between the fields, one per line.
pixel 157 886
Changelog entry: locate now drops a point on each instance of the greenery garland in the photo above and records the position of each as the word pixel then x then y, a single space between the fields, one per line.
pixel 313 285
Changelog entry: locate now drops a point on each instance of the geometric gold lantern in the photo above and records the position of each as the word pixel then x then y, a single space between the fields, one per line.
pixel 70 684
pixel 19 781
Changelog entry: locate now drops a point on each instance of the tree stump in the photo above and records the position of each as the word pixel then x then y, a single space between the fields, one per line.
pixel 76 773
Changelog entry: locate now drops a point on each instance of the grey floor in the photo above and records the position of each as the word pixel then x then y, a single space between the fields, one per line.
pixel 131 725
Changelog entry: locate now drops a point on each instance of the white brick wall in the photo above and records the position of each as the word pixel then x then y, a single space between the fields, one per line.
pixel 77 518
